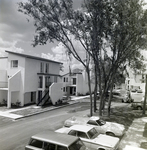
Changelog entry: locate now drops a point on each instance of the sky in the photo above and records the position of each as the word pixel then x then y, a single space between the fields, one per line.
pixel 16 34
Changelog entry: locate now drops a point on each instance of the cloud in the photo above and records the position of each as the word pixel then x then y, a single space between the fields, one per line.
pixel 13 24
pixel 16 34
pixel 59 54
pixel 10 46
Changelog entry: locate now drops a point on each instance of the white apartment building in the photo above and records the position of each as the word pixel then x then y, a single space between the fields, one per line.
pixel 76 83
pixel 26 79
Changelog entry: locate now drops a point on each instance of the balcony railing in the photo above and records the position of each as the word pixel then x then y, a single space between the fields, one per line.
pixel 47 84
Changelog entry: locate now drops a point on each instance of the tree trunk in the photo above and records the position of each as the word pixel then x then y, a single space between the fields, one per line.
pixel 95 90
pixel 144 103
pixel 100 109
pixel 110 97
pixel 89 84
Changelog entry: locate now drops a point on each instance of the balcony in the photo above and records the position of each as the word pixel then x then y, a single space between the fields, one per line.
pixel 47 84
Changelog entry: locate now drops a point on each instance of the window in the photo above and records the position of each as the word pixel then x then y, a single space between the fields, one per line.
pixel 36 143
pixel 47 81
pixel 61 148
pixel 74 81
pixel 51 147
pixel 14 63
pixel 47 68
pixel 64 89
pixel 82 135
pixel 78 145
pixel 72 132
pixel 92 122
pixel 41 67
pixel 66 79
pixel 40 81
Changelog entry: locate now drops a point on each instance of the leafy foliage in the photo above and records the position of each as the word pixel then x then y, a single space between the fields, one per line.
pixel 112 33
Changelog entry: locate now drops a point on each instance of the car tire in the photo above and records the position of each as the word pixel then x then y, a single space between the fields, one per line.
pixel 110 134
pixel 122 101
pixel 139 108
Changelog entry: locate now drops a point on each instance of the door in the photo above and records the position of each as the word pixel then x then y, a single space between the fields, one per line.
pixel 39 95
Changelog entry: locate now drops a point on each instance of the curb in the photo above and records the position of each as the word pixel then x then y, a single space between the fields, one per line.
pixel 29 115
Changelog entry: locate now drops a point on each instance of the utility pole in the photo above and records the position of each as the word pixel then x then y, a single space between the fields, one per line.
pixel 144 103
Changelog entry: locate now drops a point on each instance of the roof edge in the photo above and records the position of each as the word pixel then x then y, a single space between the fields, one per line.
pixel 32 57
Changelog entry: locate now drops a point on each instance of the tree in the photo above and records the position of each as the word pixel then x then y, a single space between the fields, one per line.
pixel 56 20
pixel 118 33
pixel 110 32
pixel 125 37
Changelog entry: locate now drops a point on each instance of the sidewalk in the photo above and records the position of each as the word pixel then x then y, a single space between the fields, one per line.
pixel 136 135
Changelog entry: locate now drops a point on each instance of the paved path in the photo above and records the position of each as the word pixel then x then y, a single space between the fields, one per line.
pixel 135 133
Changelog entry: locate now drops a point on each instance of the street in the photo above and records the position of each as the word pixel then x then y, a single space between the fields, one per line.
pixel 14 135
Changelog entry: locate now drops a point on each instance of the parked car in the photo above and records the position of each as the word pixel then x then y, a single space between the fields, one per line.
pixel 139 105
pixel 104 127
pixel 91 138
pixel 139 91
pixel 128 147
pixel 127 99
pixel 50 140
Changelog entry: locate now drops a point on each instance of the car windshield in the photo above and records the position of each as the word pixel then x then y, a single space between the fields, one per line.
pixel 92 133
pixel 78 145
pixel 101 122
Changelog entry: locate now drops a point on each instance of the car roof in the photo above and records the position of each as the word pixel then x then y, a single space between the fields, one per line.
pixel 94 118
pixel 56 138
pixel 82 128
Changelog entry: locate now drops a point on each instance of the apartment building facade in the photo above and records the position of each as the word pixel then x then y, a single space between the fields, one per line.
pixel 25 78
pixel 76 83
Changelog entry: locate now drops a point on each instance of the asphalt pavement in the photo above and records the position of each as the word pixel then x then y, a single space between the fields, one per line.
pixel 136 132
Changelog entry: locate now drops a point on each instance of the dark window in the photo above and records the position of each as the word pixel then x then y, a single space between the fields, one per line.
pixel 67 89
pixel 78 145
pixel 61 148
pixel 51 147
pixel 41 67
pixel 40 82
pixel 72 132
pixel 32 96
pixel 92 122
pixel 36 143
pixel 82 135
pixel 39 95
pixel 47 83
pixel 47 68
pixel 14 63
pixel 64 79
pixel 74 81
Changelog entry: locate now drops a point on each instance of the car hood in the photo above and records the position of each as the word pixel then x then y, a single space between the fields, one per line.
pixel 106 140
pixel 75 120
pixel 63 130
